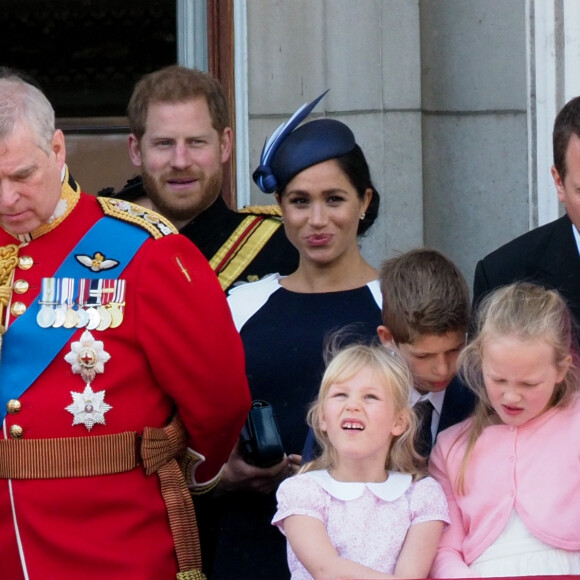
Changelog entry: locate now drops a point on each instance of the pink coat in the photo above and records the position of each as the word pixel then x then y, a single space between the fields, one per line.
pixel 534 469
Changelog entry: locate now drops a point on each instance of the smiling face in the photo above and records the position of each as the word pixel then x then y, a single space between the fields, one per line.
pixel 181 157
pixel 30 179
pixel 520 377
pixel 360 420
pixel 322 210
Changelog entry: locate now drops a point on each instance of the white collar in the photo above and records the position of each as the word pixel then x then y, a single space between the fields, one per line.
pixel 576 237
pixel 435 398
pixel 390 490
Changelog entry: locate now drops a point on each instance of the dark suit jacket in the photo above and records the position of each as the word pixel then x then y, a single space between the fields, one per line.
pixel 546 255
pixel 458 404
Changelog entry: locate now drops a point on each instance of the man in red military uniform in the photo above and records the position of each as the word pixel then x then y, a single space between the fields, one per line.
pixel 116 335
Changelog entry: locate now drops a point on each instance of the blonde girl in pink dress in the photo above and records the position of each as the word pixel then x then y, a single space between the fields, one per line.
pixel 364 509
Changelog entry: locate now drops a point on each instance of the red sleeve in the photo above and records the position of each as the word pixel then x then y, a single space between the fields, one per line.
pixel 193 348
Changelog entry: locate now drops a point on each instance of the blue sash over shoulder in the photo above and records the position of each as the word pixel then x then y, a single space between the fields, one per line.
pixel 18 369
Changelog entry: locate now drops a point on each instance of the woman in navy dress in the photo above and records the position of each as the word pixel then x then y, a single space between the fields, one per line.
pixel 322 183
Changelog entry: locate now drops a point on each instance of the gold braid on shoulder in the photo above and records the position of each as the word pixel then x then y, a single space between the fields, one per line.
pixel 8 261
pixel 273 210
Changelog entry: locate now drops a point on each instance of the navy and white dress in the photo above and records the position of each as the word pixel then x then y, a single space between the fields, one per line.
pixel 284 335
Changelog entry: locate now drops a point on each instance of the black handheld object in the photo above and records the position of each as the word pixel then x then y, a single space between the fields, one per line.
pixel 260 440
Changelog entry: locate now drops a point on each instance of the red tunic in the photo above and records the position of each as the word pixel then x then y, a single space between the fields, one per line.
pixel 177 346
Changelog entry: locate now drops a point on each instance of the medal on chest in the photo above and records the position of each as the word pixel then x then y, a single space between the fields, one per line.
pixel 101 303
pixel 87 358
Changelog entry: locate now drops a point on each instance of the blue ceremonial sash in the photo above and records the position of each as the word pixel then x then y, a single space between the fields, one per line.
pixel 27 349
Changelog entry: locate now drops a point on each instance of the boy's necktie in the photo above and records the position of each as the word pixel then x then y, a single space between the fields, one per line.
pixel 424 439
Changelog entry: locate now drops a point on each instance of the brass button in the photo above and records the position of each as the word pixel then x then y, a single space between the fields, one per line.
pixel 18 308
pixel 13 406
pixel 25 262
pixel 16 432
pixel 20 286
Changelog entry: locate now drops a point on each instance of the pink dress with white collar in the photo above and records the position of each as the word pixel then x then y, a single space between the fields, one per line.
pixel 366 522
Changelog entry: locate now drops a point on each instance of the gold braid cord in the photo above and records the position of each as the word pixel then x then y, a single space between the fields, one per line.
pixel 8 261
pixel 157 225
pixel 191 575
pixel 271 210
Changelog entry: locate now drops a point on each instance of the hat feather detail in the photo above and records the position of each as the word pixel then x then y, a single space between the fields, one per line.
pixel 263 176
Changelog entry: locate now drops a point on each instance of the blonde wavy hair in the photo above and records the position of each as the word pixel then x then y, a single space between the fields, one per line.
pixel 527 312
pixel 389 369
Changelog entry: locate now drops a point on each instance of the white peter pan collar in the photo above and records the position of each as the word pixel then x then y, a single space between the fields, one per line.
pixel 390 490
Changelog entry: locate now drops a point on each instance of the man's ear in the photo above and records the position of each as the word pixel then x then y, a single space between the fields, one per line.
pixel 226 139
pixel 58 147
pixel 385 335
pixel 134 150
pixel 559 183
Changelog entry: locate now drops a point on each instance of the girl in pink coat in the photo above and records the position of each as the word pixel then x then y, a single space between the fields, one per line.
pixel 511 472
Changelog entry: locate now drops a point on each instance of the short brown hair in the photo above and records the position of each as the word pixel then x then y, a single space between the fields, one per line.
pixel 176 84
pixel 567 123
pixel 423 293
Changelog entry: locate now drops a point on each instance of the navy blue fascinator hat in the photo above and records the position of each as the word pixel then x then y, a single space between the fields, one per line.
pixel 290 150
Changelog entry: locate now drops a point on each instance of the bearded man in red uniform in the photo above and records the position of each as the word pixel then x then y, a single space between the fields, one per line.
pixel 119 357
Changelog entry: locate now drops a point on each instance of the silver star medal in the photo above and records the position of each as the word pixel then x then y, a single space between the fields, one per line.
pixel 88 407
pixel 87 358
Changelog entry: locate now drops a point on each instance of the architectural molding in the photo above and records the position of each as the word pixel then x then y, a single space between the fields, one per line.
pixel 241 103
pixel 553 62
pixel 192 45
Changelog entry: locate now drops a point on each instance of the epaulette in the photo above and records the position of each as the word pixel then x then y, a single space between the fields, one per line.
pixel 270 210
pixel 157 225
pixel 245 242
